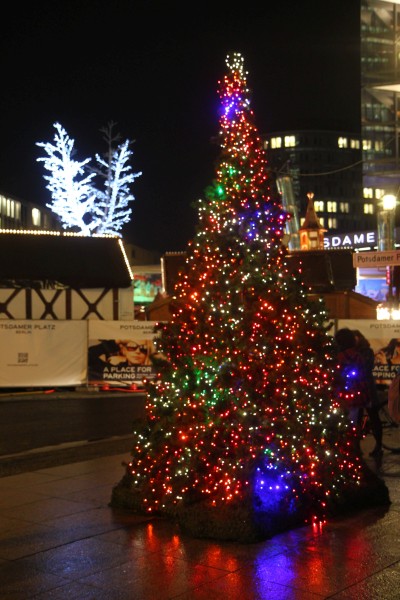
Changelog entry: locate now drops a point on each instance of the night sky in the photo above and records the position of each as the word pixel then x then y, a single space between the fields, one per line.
pixel 153 69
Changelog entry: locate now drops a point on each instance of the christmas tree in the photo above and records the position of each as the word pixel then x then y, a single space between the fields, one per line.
pixel 244 435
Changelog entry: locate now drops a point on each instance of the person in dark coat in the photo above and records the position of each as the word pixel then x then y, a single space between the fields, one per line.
pixel 351 385
pixel 372 405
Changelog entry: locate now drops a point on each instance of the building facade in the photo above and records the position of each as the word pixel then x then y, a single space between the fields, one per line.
pixel 350 173
pixel 327 164
pixel 380 95
pixel 20 214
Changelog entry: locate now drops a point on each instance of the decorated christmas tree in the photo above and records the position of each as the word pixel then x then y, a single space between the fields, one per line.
pixel 245 435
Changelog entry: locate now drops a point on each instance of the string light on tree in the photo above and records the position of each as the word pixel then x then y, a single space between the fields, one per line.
pixel 244 434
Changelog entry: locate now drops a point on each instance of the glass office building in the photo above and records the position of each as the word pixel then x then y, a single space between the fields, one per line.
pixel 361 167
pixel 380 94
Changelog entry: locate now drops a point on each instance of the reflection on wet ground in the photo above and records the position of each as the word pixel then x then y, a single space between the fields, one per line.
pixel 59 539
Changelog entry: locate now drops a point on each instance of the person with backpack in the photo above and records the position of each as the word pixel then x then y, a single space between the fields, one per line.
pixel 372 401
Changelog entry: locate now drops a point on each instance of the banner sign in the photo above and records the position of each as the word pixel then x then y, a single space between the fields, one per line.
pixel 42 353
pixel 121 352
pixel 376 259
pixel 384 337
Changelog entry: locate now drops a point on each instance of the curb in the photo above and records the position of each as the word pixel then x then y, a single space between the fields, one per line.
pixel 51 456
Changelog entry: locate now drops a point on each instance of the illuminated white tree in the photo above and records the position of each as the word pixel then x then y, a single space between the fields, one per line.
pixel 73 195
pixel 112 208
pixel 78 202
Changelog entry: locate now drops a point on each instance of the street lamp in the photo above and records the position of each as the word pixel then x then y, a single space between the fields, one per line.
pixel 386 241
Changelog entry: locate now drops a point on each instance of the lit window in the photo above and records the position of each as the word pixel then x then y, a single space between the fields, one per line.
pixel 290 141
pixel 344 207
pixel 368 209
pixel 319 205
pixel 368 193
pixel 36 217
pixel 332 223
pixel 331 206
pixel 379 194
pixel 321 221
pixel 379 146
pixel 17 210
pixel 355 144
pixel 367 144
pixel 342 142
pixel 276 142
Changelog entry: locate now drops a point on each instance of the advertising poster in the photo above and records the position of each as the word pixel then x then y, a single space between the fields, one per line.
pixel 121 353
pixel 42 353
pixel 384 337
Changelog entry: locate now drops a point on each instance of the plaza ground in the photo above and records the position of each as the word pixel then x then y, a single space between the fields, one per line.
pixel 60 539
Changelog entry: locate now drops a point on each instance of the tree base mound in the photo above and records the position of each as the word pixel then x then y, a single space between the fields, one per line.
pixel 242 523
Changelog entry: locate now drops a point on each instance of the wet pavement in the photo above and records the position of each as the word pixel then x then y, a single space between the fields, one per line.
pixel 60 539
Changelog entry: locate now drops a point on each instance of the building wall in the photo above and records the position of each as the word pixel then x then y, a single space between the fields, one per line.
pixel 359 176
pixel 328 164
pixel 20 214
pixel 380 89
pixel 66 304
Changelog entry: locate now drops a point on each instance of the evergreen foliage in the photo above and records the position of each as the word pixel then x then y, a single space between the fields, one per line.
pixel 245 435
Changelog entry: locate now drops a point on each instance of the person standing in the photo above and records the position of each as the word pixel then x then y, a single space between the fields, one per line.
pixel 351 385
pixel 372 404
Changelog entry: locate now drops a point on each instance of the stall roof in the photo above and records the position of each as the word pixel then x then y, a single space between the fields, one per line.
pixel 45 260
